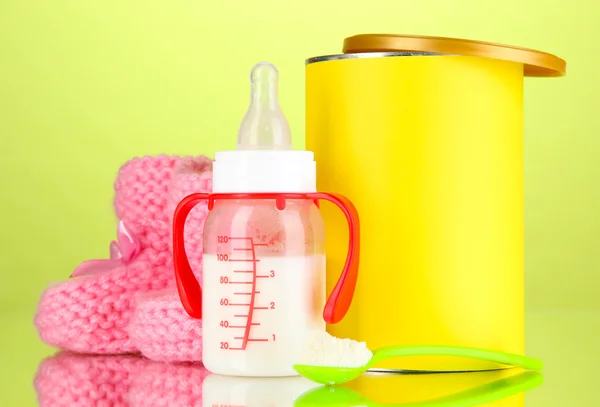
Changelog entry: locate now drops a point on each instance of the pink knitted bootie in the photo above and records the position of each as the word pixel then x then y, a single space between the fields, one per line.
pixel 91 312
pixel 76 380
pixel 160 327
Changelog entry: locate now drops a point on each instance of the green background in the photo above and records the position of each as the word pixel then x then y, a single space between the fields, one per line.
pixel 87 85
pixel 84 86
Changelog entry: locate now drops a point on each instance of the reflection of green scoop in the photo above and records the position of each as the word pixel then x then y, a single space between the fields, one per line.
pixel 497 390
pixel 337 375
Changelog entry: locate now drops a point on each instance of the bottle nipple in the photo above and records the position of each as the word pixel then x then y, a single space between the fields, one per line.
pixel 264 126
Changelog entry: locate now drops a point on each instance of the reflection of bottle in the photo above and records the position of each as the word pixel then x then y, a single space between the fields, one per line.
pixel 230 391
pixel 504 392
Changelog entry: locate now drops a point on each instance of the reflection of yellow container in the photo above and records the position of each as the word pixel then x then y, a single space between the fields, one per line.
pixel 429 148
pixel 497 388
pixel 420 388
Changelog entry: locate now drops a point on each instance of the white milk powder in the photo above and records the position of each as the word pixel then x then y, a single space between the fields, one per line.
pixel 281 301
pixel 326 350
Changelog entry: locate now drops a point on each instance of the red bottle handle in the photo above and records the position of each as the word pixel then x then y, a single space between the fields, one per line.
pixel 188 287
pixel 340 298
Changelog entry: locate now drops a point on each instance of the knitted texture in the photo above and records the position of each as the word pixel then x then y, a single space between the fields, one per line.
pixel 75 380
pixel 163 331
pixel 160 327
pixel 168 385
pixel 91 314
pixel 191 176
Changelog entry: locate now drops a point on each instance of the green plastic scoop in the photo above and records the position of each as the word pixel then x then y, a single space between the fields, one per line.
pixel 337 375
pixel 487 393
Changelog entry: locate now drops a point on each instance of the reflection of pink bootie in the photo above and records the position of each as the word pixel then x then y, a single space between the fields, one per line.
pixel 75 380
pixel 160 327
pixel 168 384
pixel 91 312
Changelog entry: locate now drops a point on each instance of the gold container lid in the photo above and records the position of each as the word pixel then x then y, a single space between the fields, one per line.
pixel 536 63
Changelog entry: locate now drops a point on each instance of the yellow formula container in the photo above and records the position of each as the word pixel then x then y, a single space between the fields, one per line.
pixel 425 136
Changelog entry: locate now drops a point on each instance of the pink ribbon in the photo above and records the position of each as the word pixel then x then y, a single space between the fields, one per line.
pixel 122 252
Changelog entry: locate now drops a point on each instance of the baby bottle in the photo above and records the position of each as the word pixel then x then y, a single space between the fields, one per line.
pixel 263 290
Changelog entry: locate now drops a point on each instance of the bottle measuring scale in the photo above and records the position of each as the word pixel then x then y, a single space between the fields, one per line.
pixel 263 291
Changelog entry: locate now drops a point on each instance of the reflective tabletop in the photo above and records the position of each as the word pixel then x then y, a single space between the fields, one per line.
pixel 34 374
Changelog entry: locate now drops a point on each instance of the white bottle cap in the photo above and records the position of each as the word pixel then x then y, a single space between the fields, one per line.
pixel 264 171
pixel 264 160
